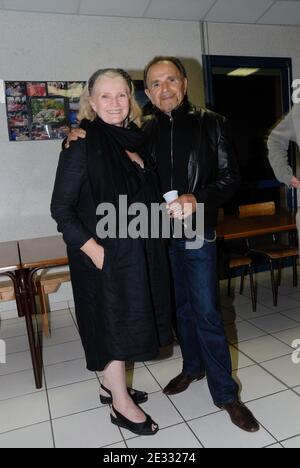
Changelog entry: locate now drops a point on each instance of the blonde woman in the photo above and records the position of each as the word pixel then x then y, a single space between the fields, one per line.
pixel 121 286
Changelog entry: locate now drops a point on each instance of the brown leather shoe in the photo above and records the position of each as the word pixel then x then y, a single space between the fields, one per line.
pixel 181 383
pixel 241 416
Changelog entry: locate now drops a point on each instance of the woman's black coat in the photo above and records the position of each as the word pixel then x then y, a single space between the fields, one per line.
pixel 123 310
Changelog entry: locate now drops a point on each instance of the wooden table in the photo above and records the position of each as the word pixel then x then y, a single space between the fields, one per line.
pixel 9 257
pixel 37 254
pixel 20 260
pixel 234 227
pixel 9 264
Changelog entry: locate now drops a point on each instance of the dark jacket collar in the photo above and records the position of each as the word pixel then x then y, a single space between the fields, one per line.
pixel 185 108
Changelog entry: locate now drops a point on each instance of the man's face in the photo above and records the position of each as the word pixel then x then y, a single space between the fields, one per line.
pixel 166 87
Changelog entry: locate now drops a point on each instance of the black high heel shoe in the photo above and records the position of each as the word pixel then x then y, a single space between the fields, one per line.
pixel 144 429
pixel 138 396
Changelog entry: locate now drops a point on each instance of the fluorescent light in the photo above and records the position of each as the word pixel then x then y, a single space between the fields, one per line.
pixel 243 72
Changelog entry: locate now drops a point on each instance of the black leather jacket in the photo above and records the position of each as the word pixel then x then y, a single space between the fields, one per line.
pixel 213 175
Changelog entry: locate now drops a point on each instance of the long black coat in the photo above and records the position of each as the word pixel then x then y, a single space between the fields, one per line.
pixel 123 310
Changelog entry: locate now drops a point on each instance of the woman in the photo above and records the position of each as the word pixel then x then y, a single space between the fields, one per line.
pixel 121 286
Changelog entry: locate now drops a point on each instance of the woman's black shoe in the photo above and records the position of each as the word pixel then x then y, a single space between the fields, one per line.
pixel 137 396
pixel 144 429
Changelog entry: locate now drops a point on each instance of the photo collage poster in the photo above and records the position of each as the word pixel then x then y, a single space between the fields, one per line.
pixel 42 110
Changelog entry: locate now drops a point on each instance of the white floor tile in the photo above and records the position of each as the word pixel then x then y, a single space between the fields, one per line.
pixel 14 385
pixel 91 429
pixel 60 320
pixel 217 431
pixel 245 311
pixel 119 445
pixel 242 331
pixel 297 390
pixel 284 303
pixel 166 370
pixel 264 349
pixel 285 370
pixel 63 352
pixel 65 373
pixel 58 306
pixel 74 398
pixel 161 411
pixel 279 414
pixel 238 359
pixel 172 437
pixel 37 436
pixel 196 401
pixel 16 362
pixel 288 336
pixel 255 383
pixel 292 314
pixel 274 323
pixel 12 329
pixel 23 411
pixel 61 335
pixel 292 443
pixel 275 446
pixel 294 294
pixel 17 344
pixel 141 379
pixel 168 353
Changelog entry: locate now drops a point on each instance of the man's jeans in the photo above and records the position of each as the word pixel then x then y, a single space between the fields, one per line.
pixel 199 323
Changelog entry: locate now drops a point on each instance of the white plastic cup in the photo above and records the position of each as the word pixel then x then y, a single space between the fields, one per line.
pixel 171 196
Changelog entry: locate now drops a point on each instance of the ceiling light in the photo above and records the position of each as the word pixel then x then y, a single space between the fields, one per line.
pixel 243 72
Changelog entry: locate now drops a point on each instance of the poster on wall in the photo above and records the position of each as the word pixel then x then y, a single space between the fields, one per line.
pixel 42 110
pixel 48 110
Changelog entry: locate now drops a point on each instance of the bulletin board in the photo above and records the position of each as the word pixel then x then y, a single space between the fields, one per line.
pixel 42 110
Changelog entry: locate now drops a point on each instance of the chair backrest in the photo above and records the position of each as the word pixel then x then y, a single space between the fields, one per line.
pixel 259 209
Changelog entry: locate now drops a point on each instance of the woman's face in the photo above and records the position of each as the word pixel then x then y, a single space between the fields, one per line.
pixel 110 99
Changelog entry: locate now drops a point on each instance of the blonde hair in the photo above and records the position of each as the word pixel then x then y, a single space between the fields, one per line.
pixel 87 112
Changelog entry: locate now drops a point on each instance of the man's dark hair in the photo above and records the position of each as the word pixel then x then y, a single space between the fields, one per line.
pixel 174 60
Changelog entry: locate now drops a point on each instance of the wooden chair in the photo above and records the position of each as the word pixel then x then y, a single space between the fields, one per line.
pixel 236 258
pixel 271 249
pixel 48 283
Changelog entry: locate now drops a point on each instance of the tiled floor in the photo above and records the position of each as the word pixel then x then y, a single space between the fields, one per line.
pixel 68 413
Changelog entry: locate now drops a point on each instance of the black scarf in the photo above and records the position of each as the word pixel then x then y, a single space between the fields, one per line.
pixel 111 172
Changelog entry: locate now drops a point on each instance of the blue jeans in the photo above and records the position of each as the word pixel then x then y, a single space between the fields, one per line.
pixel 200 328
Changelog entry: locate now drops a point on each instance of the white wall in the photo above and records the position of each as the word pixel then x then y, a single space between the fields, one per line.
pixel 62 47
pixel 253 40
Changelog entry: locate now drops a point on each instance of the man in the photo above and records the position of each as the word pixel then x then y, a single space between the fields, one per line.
pixel 288 130
pixel 194 156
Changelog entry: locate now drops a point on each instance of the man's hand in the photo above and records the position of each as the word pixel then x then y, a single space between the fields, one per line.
pixel 295 183
pixel 183 207
pixel 74 135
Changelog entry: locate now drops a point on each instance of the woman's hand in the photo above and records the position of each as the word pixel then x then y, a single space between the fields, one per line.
pixel 98 258
pixel 74 135
pixel 95 252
